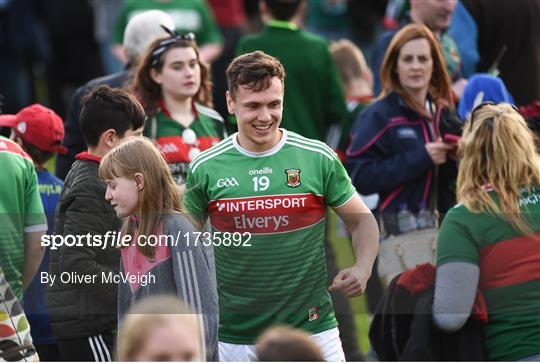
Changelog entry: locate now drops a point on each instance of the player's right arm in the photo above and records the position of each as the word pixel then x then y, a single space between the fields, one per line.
pixel 196 198
pixel 341 195
pixel 365 239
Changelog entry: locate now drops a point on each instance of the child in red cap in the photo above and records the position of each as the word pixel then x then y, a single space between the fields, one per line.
pixel 37 128
pixel 40 132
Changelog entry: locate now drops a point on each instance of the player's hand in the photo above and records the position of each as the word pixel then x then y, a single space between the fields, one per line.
pixel 351 281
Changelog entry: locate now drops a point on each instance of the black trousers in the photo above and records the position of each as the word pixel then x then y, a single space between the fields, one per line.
pixel 48 352
pixel 96 348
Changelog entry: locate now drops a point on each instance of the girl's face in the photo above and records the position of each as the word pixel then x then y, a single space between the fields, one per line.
pixel 171 341
pixel 123 194
pixel 415 65
pixel 180 76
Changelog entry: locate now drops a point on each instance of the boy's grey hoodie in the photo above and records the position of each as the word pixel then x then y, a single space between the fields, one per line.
pixel 180 268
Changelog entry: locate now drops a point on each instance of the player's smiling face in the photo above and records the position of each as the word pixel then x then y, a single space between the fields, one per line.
pixel 258 115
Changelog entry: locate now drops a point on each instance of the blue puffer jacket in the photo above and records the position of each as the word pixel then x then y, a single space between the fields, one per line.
pixel 387 155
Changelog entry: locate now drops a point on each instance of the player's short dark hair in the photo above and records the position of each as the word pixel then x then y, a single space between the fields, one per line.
pixel 254 71
pixel 283 9
pixel 109 108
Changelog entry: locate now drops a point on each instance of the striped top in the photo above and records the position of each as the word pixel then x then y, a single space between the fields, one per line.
pixel 509 273
pixel 267 211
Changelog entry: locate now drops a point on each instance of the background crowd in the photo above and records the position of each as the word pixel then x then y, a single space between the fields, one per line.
pixel 404 91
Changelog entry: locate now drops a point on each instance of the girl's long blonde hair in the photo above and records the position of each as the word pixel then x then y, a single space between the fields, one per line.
pixel 159 195
pixel 497 152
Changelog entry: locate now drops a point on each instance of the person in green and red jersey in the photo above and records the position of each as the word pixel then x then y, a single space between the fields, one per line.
pixel 174 87
pixel 491 240
pixel 39 131
pixel 271 187
pixel 22 219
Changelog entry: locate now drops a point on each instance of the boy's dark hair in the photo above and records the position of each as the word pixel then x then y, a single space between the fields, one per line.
pixel 109 108
pixel 254 71
pixel 283 9
pixel 39 157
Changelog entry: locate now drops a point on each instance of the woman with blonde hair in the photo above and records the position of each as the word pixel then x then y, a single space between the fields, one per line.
pixel 173 84
pixel 160 328
pixel 162 253
pixel 401 144
pixel 491 240
pixel 355 75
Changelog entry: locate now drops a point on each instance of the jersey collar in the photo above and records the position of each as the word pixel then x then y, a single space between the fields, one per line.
pixel 282 24
pixel 163 107
pixel 253 154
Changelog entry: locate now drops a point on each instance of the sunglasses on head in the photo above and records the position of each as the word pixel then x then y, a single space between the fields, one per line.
pixel 166 43
pixel 484 104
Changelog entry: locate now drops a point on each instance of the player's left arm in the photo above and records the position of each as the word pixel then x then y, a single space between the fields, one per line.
pixel 365 239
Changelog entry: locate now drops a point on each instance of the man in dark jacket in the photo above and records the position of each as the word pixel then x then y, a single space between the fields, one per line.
pixel 82 303
pixel 141 30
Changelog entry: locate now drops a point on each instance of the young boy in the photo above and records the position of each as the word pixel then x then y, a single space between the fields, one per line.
pixel 82 304
pixel 40 132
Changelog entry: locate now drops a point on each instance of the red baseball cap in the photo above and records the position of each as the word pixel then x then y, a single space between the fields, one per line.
pixel 39 126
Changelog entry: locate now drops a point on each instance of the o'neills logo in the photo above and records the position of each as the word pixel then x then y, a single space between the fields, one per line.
pixel 293 177
pixel 265 170
pixel 267 214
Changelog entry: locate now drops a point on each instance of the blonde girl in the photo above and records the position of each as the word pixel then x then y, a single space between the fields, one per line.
pixel 162 257
pixel 491 240
pixel 160 328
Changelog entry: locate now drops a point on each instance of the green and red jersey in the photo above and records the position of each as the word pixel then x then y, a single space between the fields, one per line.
pixel 21 210
pixel 509 272
pixel 206 130
pixel 276 200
